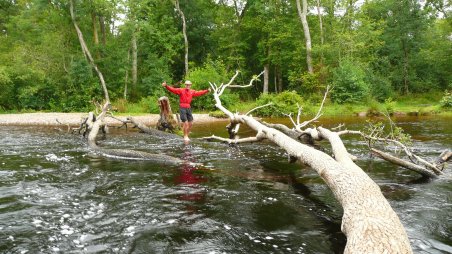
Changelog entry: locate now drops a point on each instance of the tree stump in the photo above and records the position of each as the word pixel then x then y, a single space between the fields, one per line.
pixel 167 121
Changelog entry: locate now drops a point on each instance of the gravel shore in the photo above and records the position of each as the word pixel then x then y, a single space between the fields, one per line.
pixel 50 119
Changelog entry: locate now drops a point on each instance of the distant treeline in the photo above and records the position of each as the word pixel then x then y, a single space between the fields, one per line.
pixel 375 49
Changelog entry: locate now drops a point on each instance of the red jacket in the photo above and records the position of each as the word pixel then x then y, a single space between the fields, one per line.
pixel 185 95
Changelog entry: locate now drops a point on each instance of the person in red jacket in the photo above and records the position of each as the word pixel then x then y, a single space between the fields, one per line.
pixel 185 97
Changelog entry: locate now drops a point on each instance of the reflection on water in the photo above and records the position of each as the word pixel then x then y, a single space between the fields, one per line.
pixel 56 196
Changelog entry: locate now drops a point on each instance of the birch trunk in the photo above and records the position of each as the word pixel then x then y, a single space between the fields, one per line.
pixel 134 60
pixel 266 72
pixel 127 75
pixel 320 22
pixel 302 13
pixel 87 53
pixel 368 222
pixel 184 31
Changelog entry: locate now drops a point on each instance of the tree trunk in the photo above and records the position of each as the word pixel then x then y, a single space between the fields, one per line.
pixel 166 122
pixel 321 30
pixel 405 67
pixel 307 35
pixel 320 23
pixel 369 223
pixel 102 29
pixel 266 72
pixel 95 34
pixel 184 31
pixel 127 75
pixel 87 53
pixel 279 80
pixel 134 61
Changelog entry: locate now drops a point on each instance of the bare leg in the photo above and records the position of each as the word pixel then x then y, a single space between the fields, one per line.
pixel 190 124
pixel 186 129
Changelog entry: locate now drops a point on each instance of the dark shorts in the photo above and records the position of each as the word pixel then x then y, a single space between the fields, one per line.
pixel 185 114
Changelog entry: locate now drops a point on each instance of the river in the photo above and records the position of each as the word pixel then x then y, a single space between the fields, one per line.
pixel 57 196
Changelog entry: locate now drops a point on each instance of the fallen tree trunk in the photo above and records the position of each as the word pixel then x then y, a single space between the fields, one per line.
pixel 93 124
pixel 369 222
pixel 123 153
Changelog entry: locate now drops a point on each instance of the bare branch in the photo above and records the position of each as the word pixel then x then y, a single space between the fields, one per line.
pixel 290 118
pixel 223 86
pixel 300 109
pixel 256 108
pixel 68 126
pixel 124 122
pixel 369 223
pixel 406 149
pixel 299 127
pixel 257 138
pixel 403 163
pixel 251 81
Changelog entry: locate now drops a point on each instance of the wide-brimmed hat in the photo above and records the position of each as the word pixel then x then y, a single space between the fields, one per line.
pixel 187 82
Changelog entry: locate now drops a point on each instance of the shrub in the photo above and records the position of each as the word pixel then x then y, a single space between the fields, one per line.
pixel 120 105
pixel 380 87
pixel 147 104
pixel 389 105
pixel 304 83
pixel 7 88
pixel 283 103
pixel 349 83
pixel 446 101
pixel 374 108
pixel 214 72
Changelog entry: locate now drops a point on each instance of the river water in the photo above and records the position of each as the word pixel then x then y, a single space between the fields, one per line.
pixel 57 196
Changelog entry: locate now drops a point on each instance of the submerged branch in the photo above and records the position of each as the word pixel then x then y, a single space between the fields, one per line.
pixel 403 163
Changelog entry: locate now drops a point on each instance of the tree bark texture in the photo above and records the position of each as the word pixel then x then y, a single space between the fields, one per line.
pixel 302 13
pixel 266 74
pixel 166 122
pixel 369 222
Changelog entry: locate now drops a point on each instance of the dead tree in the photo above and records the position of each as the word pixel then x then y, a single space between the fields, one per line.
pixel 369 222
pixel 87 53
pixel 167 121
pixel 184 31
pixel 92 124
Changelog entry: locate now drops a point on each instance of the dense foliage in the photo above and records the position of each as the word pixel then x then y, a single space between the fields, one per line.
pixel 367 51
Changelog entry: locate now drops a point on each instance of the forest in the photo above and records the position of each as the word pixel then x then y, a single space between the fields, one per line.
pixel 375 50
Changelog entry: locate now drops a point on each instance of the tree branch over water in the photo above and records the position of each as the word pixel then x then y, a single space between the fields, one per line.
pixel 369 222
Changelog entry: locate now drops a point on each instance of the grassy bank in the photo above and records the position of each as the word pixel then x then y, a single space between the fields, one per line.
pixel 428 104
pixel 406 105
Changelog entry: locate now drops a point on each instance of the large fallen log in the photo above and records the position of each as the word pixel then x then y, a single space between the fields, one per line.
pixel 369 222
pixel 96 124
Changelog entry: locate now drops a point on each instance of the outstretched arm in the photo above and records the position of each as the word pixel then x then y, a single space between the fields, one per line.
pixel 171 89
pixel 199 93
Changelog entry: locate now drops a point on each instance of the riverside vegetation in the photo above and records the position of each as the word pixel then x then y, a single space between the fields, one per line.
pixel 384 56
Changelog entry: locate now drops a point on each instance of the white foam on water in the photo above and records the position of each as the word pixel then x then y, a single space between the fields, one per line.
pixel 54 158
